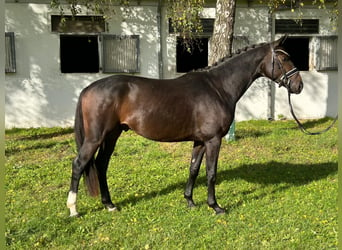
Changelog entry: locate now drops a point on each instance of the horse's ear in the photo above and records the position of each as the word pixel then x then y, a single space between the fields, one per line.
pixel 280 41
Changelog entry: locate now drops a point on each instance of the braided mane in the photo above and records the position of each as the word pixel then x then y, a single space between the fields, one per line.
pixel 230 56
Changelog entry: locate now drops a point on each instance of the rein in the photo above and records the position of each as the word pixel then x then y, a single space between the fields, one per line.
pixel 285 81
pixel 300 125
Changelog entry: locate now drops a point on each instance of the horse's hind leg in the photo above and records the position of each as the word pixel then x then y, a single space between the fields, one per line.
pixel 83 158
pixel 196 159
pixel 102 161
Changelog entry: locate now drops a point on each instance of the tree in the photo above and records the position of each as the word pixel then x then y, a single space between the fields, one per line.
pixel 185 16
pixel 222 39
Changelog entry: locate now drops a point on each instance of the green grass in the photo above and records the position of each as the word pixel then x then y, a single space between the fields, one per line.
pixel 278 185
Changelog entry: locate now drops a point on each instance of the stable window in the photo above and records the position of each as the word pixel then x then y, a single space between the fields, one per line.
pixel 194 58
pixel 327 53
pixel 120 54
pixel 80 46
pixel 10 62
pixel 79 54
pixel 303 26
pixel 298 48
pixel 197 56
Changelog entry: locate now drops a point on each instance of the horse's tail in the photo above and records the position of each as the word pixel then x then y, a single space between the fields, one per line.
pixel 90 171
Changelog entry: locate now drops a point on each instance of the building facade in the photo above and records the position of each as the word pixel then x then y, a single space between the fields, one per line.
pixel 48 62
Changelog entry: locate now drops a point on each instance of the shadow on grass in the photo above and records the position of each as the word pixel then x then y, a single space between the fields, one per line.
pixel 242 134
pixel 37 146
pixel 277 173
pixel 36 133
pixel 35 139
pixel 270 173
pixel 315 124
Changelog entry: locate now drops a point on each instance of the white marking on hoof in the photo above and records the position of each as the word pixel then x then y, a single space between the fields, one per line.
pixel 71 203
pixel 71 199
pixel 111 209
pixel 73 213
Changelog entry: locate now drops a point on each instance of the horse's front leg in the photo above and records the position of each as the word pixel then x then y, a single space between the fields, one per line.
pixel 212 148
pixel 196 159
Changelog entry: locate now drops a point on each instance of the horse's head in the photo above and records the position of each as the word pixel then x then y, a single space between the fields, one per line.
pixel 278 66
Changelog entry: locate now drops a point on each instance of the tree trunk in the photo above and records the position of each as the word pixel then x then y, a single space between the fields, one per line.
pixel 222 39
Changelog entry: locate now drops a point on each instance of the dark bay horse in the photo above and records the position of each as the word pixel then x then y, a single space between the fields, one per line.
pixel 198 106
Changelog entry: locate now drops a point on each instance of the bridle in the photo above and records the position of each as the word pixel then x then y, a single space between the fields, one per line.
pixel 284 81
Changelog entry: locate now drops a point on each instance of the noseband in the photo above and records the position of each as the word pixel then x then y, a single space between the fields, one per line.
pixel 284 79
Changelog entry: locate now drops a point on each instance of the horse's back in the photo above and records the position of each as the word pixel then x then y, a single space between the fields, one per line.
pixel 163 110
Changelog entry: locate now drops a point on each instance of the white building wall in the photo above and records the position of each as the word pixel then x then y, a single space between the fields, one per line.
pixel 254 24
pixel 38 94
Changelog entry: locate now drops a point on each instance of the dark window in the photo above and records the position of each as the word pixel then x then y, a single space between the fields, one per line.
pixel 289 26
pixel 79 54
pixel 197 56
pixel 10 62
pixel 194 58
pixel 298 48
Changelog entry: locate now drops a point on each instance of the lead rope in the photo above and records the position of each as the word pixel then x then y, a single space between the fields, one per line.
pixel 305 131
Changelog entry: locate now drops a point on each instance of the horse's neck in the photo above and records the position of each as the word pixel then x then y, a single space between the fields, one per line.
pixel 237 74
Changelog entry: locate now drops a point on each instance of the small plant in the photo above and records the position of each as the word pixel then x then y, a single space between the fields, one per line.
pixel 281 117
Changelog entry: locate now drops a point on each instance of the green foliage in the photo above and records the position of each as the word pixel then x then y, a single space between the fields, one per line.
pixel 278 185
pixel 103 7
pixel 185 16
pixel 298 5
pixel 295 4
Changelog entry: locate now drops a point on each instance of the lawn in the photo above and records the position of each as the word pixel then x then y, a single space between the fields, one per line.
pixel 278 185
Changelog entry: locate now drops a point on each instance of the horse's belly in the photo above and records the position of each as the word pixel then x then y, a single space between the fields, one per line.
pixel 159 128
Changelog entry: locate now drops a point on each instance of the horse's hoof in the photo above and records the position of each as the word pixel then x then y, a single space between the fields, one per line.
pixel 189 200
pixel 220 211
pixel 113 209
pixel 74 215
pixel 191 204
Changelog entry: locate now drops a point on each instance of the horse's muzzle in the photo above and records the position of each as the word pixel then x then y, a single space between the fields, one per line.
pixel 296 88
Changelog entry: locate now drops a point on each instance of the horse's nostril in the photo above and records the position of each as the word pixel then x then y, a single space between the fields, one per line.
pixel 301 87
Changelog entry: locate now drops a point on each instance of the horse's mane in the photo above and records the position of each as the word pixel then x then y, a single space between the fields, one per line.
pixel 230 56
